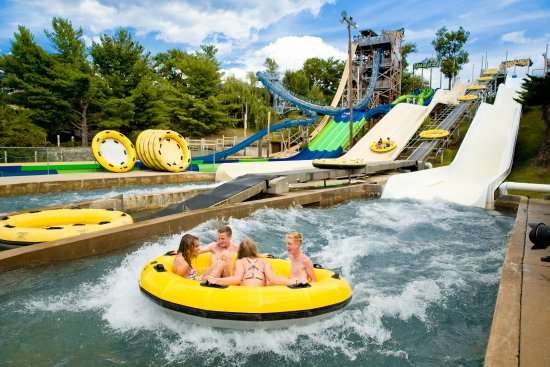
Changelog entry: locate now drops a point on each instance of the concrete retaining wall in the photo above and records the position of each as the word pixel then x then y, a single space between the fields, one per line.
pixel 79 182
pixel 118 238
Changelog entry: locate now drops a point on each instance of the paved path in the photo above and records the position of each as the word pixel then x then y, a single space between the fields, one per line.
pixel 520 332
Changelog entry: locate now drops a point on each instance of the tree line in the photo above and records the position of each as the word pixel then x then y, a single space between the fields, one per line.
pixel 74 90
pixel 116 84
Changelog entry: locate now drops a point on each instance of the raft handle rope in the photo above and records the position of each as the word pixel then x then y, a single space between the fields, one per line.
pixel 318 266
pixel 336 275
pixel 299 285
pixel 170 253
pixel 206 283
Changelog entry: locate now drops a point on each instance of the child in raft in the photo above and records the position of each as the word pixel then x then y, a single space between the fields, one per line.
pixel 250 269
pixel 189 249
pixel 380 144
pixel 388 142
pixel 302 267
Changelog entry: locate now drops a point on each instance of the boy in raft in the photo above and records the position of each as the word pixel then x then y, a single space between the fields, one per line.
pixel 380 144
pixel 302 267
pixel 250 269
pixel 388 142
pixel 223 252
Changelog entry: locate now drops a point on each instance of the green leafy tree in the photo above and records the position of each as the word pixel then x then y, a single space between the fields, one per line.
pixel 407 48
pixel 324 76
pixel 271 65
pixel 536 92
pixel 122 64
pixel 450 53
pixel 73 79
pixel 29 74
pixel 17 130
pixel 196 80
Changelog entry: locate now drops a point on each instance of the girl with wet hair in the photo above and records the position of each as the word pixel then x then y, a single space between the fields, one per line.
pixel 188 249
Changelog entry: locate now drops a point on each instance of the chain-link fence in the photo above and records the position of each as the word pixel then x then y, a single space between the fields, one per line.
pixel 45 154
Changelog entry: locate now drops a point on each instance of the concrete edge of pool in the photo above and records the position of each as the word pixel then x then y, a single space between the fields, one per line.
pixel 521 320
pixel 24 185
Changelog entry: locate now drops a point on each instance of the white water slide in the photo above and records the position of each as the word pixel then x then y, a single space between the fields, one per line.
pixel 400 124
pixel 482 163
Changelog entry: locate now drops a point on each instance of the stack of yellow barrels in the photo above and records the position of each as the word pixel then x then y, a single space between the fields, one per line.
pixel 163 150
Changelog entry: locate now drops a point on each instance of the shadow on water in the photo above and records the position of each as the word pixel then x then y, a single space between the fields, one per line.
pixel 424 277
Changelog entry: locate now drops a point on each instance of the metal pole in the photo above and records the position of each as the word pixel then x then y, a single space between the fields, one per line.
pixel 268 133
pixel 546 60
pixel 431 77
pixel 245 118
pixel 350 84
pixel 473 69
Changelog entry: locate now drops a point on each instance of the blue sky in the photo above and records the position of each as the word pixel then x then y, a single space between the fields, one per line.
pixel 292 30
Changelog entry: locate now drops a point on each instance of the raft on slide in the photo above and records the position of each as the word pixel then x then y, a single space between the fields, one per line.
pixel 434 134
pixel 242 306
pixel 56 224
pixel 388 146
pixel 339 163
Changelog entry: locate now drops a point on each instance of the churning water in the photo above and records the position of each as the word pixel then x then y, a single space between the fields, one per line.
pixel 16 203
pixel 424 279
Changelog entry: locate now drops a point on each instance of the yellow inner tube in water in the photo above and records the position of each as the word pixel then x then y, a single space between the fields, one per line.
pixel 434 134
pixel 241 303
pixel 56 224
pixel 388 147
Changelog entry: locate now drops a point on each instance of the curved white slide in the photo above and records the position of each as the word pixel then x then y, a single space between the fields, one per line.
pixel 482 163
pixel 400 124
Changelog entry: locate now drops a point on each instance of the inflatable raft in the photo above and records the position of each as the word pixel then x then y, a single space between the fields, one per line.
pixel 51 225
pixel 241 306
pixel 339 163
pixel 114 151
pixel 434 134
pixel 388 147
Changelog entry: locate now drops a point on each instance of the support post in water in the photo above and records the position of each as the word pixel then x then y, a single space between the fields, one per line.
pixel 350 23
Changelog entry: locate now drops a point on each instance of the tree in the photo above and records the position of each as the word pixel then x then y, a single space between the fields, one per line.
pixel 536 92
pixel 17 130
pixel 122 64
pixel 407 48
pixel 209 52
pixel 29 75
pixel 448 46
pixel 271 65
pixel 73 78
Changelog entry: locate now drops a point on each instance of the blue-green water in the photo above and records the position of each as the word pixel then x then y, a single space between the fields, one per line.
pixel 424 279
pixel 17 203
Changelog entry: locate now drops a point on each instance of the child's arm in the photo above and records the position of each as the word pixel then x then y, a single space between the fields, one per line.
pixel 235 279
pixel 272 278
pixel 309 270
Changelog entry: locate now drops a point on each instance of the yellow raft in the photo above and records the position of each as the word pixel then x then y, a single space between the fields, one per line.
pixel 51 225
pixel 476 87
pixel 114 151
pixel 374 147
pixel 468 98
pixel 241 306
pixel 485 78
pixel 163 150
pixel 434 134
pixel 339 163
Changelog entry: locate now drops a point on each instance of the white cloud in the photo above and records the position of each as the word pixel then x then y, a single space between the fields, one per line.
pixel 188 21
pixel 291 52
pixel 515 37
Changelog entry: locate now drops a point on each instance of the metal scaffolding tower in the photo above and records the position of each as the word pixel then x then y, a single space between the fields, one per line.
pixel 388 85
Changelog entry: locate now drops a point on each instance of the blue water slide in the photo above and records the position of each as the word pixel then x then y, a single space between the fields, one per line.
pixel 218 156
pixel 277 88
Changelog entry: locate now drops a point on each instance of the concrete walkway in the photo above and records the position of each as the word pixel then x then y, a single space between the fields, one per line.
pixel 520 332
pixel 22 185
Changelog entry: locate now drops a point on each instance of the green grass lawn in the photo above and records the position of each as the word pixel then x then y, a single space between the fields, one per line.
pixel 530 138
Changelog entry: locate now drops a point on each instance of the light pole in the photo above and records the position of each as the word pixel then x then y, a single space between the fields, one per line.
pixel 349 23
